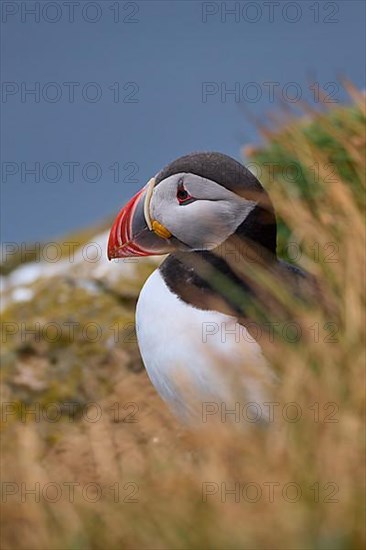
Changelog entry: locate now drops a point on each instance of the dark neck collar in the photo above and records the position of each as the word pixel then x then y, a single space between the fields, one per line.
pixel 259 230
pixel 216 279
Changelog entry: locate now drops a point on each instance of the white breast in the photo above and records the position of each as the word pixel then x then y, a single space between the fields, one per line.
pixel 194 356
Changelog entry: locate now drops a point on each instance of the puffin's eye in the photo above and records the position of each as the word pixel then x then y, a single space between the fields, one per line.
pixel 182 195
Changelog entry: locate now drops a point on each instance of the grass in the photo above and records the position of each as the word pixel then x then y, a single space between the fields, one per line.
pixel 299 482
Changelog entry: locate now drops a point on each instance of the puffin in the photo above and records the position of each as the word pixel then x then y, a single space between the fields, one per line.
pixel 200 313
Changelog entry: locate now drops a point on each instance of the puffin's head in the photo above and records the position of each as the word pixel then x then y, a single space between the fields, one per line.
pixel 195 203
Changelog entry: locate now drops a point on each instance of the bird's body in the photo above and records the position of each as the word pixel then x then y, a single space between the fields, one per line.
pixel 217 223
pixel 188 351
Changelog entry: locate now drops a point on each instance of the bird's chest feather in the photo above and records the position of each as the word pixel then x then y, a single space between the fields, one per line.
pixel 194 355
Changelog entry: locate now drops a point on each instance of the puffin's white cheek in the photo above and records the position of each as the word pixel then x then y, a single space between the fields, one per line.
pixel 202 225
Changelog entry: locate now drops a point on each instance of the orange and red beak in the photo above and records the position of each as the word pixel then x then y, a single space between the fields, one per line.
pixel 130 235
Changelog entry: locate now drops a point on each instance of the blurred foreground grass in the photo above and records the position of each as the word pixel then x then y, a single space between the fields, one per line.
pixel 108 465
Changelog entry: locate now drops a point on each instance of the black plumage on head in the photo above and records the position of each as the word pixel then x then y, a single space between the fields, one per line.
pixel 260 226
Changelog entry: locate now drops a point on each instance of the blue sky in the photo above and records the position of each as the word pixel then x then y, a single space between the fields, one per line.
pixel 122 88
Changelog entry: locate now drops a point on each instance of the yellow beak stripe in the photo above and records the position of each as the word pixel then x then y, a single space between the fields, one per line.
pixel 160 230
pixel 149 192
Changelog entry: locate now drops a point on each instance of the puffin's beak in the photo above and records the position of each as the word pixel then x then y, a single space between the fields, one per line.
pixel 130 234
